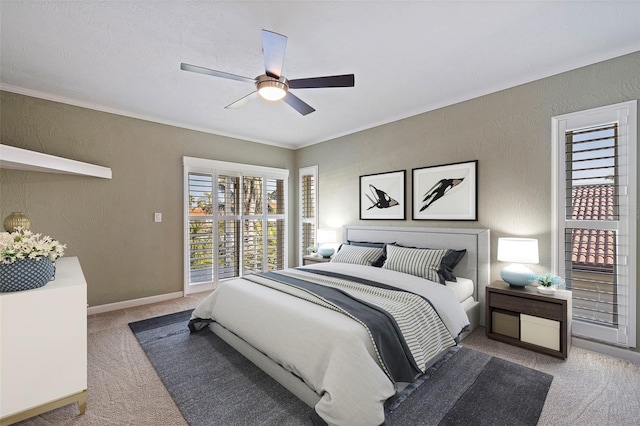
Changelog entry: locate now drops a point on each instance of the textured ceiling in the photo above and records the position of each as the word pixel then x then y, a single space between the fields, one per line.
pixel 408 57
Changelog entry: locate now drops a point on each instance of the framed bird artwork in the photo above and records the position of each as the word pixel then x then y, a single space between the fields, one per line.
pixel 445 192
pixel 382 196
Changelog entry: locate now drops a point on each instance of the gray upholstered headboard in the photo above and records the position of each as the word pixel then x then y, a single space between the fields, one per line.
pixel 475 265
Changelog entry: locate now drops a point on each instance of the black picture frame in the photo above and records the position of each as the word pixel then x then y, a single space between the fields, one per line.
pixel 445 192
pixel 382 196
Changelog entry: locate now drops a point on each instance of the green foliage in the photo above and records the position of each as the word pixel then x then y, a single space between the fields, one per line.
pixel 549 280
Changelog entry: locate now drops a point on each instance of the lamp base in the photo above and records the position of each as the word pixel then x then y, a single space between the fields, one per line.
pixel 326 251
pixel 517 275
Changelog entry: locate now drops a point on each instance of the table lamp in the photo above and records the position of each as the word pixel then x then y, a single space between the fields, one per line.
pixel 326 240
pixel 517 251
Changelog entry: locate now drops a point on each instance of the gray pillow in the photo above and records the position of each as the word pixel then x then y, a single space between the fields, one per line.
pixel 449 261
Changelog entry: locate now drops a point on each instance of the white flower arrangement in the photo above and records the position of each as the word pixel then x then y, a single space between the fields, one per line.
pixel 24 244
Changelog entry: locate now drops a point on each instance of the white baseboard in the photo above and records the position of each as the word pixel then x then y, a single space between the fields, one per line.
pixel 92 310
pixel 626 354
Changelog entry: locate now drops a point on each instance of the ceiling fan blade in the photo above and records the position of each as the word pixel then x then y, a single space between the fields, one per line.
pixel 242 101
pixel 346 80
pixel 207 71
pixel 273 48
pixel 298 104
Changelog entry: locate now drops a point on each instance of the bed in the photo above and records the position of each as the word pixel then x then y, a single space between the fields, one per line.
pixel 327 355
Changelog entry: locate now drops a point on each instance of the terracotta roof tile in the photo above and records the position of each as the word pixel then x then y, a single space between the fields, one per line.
pixel 591 247
pixel 593 202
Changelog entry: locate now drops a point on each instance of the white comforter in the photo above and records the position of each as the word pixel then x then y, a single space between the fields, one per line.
pixel 331 352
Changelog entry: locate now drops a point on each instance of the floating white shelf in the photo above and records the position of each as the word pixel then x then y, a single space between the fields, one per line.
pixel 23 159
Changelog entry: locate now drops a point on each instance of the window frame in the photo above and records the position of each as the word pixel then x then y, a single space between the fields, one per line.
pixel 625 115
pixel 216 168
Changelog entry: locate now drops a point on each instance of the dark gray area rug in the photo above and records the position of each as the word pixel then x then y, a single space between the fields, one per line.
pixel 213 384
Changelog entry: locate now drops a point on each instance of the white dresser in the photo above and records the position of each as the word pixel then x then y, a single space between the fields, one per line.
pixel 43 345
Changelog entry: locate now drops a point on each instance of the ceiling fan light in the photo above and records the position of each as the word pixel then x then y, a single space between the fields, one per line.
pixel 272 90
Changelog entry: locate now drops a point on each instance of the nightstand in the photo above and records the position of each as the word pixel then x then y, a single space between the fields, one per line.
pixel 310 260
pixel 523 317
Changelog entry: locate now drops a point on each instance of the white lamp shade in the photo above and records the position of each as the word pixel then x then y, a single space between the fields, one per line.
pixel 326 239
pixel 326 236
pixel 518 250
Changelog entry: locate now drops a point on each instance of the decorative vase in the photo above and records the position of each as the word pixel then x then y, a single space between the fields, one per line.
pixel 15 220
pixel 25 274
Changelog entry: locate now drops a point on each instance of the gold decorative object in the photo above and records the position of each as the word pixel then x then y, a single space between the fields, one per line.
pixel 15 220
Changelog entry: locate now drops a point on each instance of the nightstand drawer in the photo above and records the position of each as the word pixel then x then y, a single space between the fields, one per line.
pixel 532 307
pixel 506 323
pixel 540 331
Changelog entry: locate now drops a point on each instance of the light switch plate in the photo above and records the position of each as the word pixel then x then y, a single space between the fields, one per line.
pixel 157 217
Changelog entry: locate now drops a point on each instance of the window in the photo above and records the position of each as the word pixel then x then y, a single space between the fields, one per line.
pixel 235 221
pixel 308 219
pixel 595 186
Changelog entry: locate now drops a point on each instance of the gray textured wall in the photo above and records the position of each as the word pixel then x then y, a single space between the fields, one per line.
pixel 109 224
pixel 508 132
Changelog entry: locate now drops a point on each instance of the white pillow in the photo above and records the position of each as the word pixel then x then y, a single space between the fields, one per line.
pixel 357 255
pixel 423 263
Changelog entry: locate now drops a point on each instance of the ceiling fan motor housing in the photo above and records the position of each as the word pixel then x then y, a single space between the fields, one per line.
pixel 272 88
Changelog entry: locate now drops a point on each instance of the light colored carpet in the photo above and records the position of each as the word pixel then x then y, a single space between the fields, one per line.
pixel 124 389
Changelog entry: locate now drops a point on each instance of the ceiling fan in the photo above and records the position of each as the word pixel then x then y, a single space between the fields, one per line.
pixel 272 85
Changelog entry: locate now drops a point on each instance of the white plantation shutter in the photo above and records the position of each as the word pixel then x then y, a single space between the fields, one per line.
pixel 275 224
pixel 200 225
pixel 247 204
pixel 253 232
pixel 228 255
pixel 308 219
pixel 275 244
pixel 228 230
pixel 252 247
pixel 592 197
pixel 596 183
